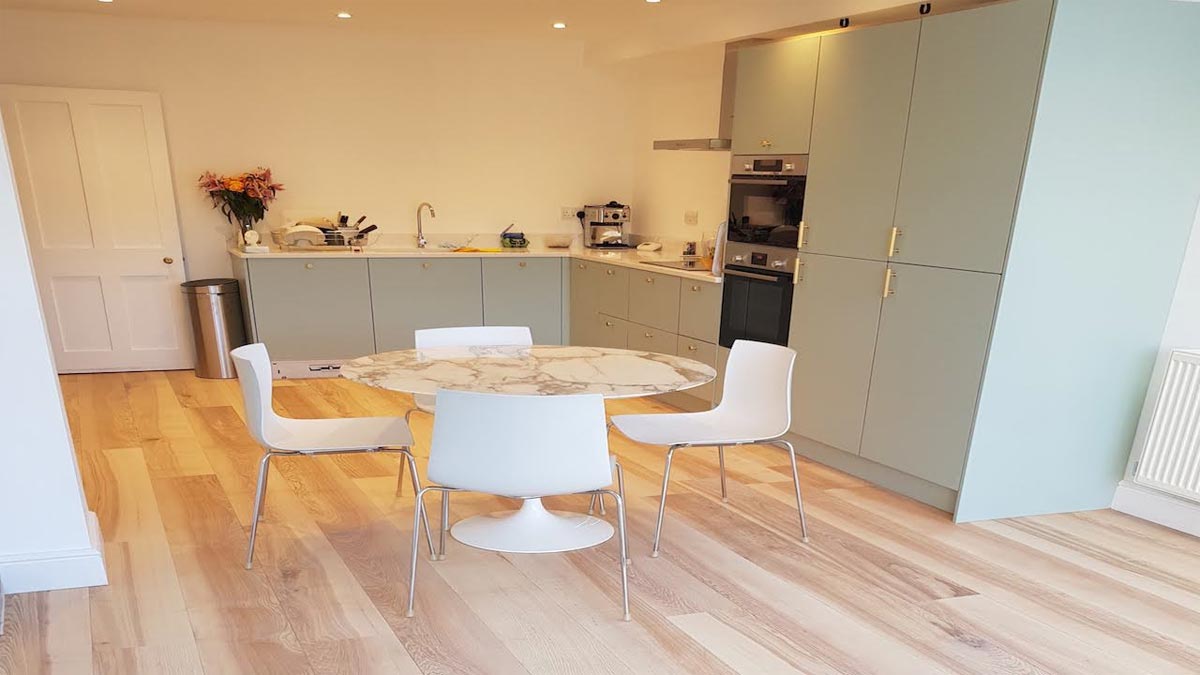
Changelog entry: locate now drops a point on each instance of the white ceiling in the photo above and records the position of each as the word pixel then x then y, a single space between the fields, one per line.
pixel 611 29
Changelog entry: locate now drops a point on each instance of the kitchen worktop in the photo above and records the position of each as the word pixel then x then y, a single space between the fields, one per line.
pixel 623 258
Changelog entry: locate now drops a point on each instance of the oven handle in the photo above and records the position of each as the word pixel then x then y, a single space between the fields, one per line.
pixel 757 181
pixel 752 275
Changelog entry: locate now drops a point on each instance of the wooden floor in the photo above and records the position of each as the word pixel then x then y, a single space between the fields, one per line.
pixel 886 586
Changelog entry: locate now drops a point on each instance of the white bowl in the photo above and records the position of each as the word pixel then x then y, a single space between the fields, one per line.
pixel 559 240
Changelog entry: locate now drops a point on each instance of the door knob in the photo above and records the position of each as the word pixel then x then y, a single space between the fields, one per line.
pixel 168 260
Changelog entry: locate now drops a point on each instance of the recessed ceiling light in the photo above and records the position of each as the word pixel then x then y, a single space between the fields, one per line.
pixel 654 2
pixel 559 25
pixel 106 1
pixel 340 15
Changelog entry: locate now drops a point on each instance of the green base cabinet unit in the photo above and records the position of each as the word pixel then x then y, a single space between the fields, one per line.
pixel 929 357
pixel 524 292
pixel 774 97
pixel 312 309
pixel 654 300
pixel 835 316
pixel 700 310
pixel 407 294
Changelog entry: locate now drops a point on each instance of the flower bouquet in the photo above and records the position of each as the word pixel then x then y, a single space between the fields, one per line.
pixel 242 198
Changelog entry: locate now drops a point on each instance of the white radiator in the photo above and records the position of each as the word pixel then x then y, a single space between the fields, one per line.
pixel 1170 460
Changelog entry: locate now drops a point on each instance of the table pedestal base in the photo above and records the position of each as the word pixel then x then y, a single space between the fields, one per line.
pixel 532 529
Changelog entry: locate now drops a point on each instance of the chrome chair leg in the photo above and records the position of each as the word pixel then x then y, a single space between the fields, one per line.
pixel 603 511
pixel 407 457
pixel 445 525
pixel 721 461
pixel 662 502
pixel 264 466
pixel 796 481
pixel 418 510
pixel 621 491
pixel 400 479
pixel 620 501
pixel 592 504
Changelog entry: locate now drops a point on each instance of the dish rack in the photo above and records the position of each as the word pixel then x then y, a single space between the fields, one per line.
pixel 341 239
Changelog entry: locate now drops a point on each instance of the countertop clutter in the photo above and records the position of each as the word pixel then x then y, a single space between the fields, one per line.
pixel 623 258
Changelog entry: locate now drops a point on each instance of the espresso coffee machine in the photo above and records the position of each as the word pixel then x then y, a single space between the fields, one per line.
pixel 605 225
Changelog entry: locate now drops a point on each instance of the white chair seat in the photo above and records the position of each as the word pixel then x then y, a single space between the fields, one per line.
pixel 702 428
pixel 340 435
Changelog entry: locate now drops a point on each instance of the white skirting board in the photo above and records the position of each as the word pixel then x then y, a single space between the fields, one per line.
pixel 1157 507
pixel 53 570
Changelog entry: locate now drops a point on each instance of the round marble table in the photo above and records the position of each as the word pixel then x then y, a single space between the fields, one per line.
pixel 546 370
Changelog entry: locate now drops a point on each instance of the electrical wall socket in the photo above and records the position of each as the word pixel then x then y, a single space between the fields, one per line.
pixel 568 212
pixel 691 217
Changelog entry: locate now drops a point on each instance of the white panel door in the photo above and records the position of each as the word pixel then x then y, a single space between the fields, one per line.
pixel 95 189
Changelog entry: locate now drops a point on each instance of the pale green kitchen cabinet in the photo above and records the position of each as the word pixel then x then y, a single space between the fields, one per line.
pixel 835 317
pixel 773 97
pixel 524 292
pixel 654 301
pixel 312 309
pixel 583 304
pixel 929 358
pixel 608 331
pixel 972 109
pixel 650 339
pixel 864 86
pixel 408 294
pixel 700 310
pixel 610 286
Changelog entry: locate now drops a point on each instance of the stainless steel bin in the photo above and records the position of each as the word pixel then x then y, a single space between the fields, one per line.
pixel 215 306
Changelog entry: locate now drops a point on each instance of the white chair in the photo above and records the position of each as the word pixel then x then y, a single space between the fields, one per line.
pixel 755 408
pixel 525 447
pixel 287 436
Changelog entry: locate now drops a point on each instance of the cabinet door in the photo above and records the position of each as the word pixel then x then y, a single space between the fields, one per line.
pixel 704 352
pixel 649 339
pixel 583 304
pixel 408 294
pixel 524 292
pixel 864 86
pixel 609 331
pixel 835 317
pixel 610 288
pixel 972 107
pixel 654 301
pixel 773 98
pixel 312 309
pixel 933 339
pixel 700 310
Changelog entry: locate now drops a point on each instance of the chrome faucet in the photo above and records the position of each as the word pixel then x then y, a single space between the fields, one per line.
pixel 421 241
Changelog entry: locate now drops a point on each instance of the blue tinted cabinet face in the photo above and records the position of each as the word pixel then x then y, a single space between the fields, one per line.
pixel 408 294
pixel 312 309
pixel 773 99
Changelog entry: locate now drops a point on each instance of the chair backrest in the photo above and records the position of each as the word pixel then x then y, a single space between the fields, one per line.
pixel 254 375
pixel 520 446
pixel 758 386
pixel 473 336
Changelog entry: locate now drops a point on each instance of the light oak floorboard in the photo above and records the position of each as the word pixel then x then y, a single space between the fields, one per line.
pixel 885 586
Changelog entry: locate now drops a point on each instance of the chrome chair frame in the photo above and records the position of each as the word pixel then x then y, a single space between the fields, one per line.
pixel 264 467
pixel 419 511
pixel 778 442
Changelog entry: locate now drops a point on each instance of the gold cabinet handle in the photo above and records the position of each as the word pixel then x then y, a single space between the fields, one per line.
pixel 766 143
pixel 580 266
pixel 888 276
pixel 802 240
pixel 608 323
pixel 695 289
pixel 649 280
pixel 168 260
pixel 521 264
pixel 892 249
pixel 308 266
pixel 609 272
pixel 797 277
pixel 691 348
pixel 648 335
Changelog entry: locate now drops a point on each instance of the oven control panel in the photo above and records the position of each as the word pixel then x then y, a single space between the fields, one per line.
pixel 775 259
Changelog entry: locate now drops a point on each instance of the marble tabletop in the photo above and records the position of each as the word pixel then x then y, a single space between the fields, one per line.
pixel 547 370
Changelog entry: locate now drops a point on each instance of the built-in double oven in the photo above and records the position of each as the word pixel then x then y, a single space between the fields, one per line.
pixel 766 224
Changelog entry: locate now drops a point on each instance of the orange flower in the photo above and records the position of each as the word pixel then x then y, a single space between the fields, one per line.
pixel 235 185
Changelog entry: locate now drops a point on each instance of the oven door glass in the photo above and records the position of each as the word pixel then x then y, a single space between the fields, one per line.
pixel 755 306
pixel 766 211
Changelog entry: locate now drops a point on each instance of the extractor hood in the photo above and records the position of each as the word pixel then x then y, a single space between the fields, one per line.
pixel 725 121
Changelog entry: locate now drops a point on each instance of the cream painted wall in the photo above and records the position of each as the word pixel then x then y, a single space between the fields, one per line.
pixel 491 132
pixel 678 95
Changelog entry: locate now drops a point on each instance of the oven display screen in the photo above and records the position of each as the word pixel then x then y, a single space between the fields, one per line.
pixel 771 165
pixel 759 259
